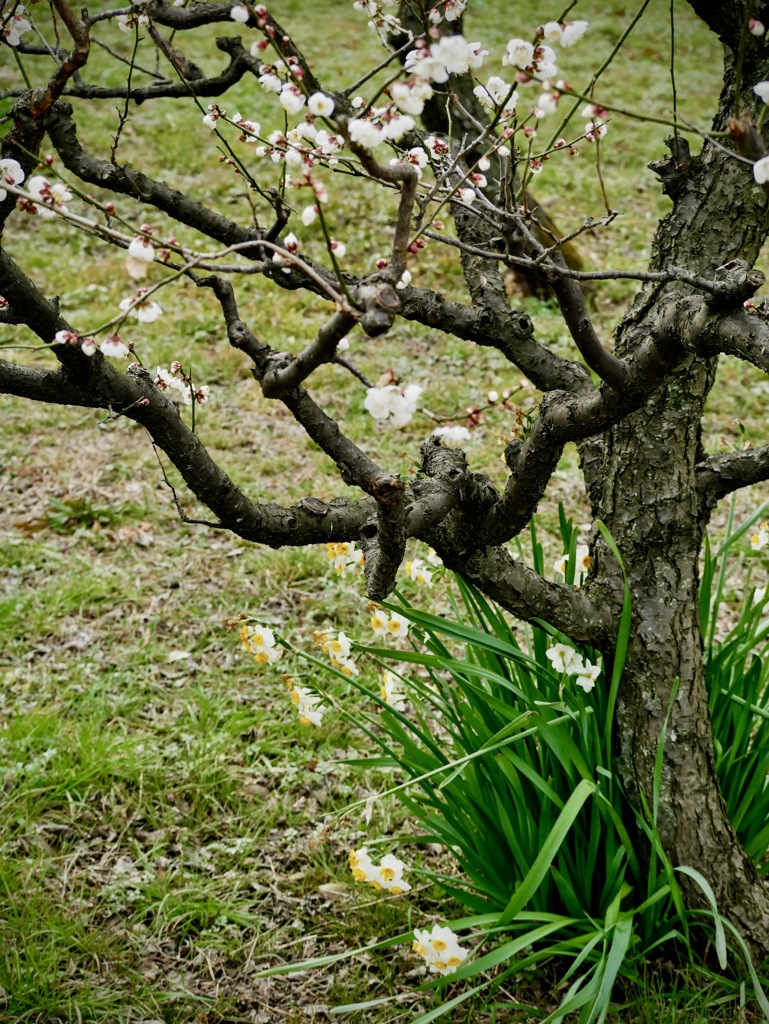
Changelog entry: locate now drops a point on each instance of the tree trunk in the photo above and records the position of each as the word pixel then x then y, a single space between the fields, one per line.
pixel 650 503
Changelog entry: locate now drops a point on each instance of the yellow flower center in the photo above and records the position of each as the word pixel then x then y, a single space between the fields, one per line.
pixel 376 622
pixel 387 873
pixel 440 965
pixel 438 945
pixel 261 658
pixel 454 961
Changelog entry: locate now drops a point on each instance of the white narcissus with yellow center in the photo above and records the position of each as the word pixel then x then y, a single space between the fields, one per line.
pixel 439 948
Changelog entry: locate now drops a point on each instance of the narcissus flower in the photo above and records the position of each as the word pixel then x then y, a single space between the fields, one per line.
pixel 439 948
pixel 392 624
pixel 586 675
pixel 563 658
pixel 388 691
pixel 582 560
pixel 308 705
pixel 260 641
pixel 760 538
pixel 388 874
pixel 418 572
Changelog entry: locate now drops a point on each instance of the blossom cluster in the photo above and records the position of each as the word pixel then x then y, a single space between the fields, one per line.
pixel 388 691
pixel 387 874
pixel 339 650
pixel 166 380
pixel 566 660
pixel 111 346
pixel 439 948
pixel 45 199
pixel 393 404
pixel 309 706
pixel 344 555
pixel 386 623
pixel 417 571
pixel 260 641
pixel 14 25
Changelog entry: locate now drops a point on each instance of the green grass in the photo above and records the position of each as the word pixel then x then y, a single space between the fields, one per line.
pixel 166 827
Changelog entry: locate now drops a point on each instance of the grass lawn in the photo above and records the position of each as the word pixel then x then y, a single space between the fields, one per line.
pixel 167 827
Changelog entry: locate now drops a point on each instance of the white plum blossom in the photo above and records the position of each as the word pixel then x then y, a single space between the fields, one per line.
pixel 114 346
pixel 594 130
pixel 572 32
pixel 240 13
pixel 14 25
pixel 548 103
pixel 309 213
pixel 404 281
pixel 551 32
pixel 145 310
pixel 518 54
pixel 410 98
pixel 466 196
pixel 762 90
pixel 451 435
pixel 165 381
pixel 756 27
pixel 390 403
pixel 761 170
pixel 364 133
pixel 320 104
pixel 260 641
pixel 388 691
pixel 494 93
pixel 453 9
pixel 291 98
pixel 397 126
pixel 439 948
pixel 128 22
pixel 451 55
pixel 49 197
pixel 88 346
pixel 141 248
pixel 268 78
pixel 213 115
pixel 544 65
pixel 11 173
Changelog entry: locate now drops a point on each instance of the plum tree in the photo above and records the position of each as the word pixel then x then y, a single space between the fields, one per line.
pixel 441 139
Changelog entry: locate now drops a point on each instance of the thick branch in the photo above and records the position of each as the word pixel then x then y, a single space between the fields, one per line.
pixel 719 475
